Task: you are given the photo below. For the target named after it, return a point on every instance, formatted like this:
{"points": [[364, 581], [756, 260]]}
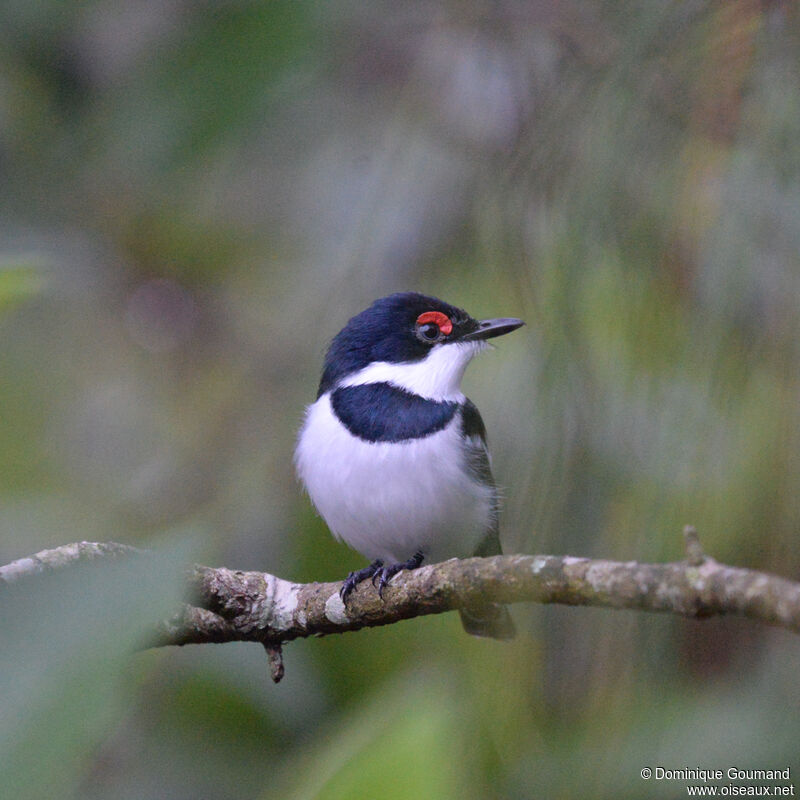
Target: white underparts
{"points": [[389, 499]]}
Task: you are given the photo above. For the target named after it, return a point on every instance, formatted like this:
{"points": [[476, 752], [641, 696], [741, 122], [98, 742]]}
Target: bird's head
{"points": [[410, 340]]}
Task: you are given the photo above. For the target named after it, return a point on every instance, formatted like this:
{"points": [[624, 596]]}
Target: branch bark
{"points": [[232, 605]]}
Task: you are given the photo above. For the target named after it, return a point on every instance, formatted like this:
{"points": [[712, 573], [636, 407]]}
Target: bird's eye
{"points": [[429, 331], [433, 325]]}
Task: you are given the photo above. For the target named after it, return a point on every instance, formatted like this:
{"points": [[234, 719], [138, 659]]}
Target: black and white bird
{"points": [[393, 455]]}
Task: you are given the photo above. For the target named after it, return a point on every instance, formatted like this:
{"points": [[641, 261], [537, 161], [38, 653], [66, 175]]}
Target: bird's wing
{"points": [[483, 619], [480, 469]]}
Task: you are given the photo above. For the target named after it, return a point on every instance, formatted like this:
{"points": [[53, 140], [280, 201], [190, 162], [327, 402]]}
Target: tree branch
{"points": [[233, 605]]}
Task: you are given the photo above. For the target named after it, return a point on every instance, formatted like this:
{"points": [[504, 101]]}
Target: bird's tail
{"points": [[490, 620]]}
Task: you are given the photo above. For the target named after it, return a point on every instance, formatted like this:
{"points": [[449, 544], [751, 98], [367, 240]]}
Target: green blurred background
{"points": [[195, 196]]}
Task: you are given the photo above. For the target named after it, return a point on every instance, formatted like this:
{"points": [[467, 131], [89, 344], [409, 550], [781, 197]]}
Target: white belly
{"points": [[390, 499]]}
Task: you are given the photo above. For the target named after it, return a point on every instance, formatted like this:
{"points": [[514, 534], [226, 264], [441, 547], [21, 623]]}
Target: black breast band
{"points": [[380, 412]]}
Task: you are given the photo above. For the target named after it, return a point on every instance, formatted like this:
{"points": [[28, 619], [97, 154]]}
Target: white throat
{"points": [[437, 377]]}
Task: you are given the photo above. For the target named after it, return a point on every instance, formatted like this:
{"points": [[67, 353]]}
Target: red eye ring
{"points": [[437, 318]]}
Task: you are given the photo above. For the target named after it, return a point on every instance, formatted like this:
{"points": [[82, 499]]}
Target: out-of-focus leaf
{"points": [[18, 282], [410, 740], [65, 641]]}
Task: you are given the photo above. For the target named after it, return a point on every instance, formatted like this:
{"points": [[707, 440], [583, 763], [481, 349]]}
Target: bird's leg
{"points": [[384, 574], [354, 578]]}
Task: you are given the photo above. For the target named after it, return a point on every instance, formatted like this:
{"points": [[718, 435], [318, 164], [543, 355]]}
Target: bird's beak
{"points": [[489, 328]]}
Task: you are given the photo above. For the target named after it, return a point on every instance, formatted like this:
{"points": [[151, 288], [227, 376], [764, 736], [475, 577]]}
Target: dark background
{"points": [[195, 196]]}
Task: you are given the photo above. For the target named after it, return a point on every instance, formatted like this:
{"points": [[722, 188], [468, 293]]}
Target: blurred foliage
{"points": [[195, 196], [18, 282], [67, 640]]}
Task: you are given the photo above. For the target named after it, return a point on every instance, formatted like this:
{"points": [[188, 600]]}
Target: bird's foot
{"points": [[354, 578], [384, 574]]}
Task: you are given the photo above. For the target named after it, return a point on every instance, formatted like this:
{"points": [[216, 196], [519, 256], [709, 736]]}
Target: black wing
{"points": [[483, 619], [480, 469]]}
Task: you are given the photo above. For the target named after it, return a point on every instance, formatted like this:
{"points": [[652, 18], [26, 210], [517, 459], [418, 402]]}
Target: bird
{"points": [[394, 456]]}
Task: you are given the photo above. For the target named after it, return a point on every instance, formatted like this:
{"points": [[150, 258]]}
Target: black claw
{"points": [[377, 573], [354, 578], [384, 574]]}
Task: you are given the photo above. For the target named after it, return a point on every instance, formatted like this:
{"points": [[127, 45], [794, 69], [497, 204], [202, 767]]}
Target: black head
{"points": [[402, 328]]}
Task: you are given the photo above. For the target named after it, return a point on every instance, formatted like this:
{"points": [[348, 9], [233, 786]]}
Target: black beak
{"points": [[489, 328]]}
